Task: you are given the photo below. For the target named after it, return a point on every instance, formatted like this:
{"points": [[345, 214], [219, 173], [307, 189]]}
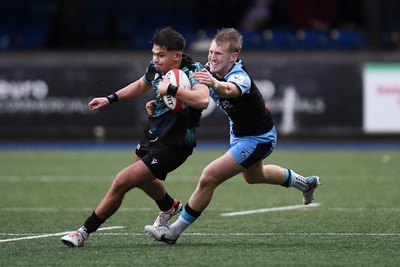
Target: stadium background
{"points": [[56, 55]]}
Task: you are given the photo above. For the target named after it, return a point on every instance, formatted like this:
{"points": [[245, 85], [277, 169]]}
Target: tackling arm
{"points": [[222, 89]]}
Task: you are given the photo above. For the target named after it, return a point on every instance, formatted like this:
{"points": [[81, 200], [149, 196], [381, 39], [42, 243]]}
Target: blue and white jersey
{"points": [[247, 113]]}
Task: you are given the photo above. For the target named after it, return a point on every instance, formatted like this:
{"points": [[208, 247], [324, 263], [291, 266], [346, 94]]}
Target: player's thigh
{"points": [[222, 168], [134, 175]]}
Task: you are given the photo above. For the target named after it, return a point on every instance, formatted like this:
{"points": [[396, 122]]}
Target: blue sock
{"points": [[187, 217], [288, 178], [184, 220]]}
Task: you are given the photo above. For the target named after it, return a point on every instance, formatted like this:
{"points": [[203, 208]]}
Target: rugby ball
{"points": [[180, 79]]}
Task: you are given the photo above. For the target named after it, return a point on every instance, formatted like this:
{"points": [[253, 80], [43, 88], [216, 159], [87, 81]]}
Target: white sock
{"points": [[179, 226], [299, 182]]}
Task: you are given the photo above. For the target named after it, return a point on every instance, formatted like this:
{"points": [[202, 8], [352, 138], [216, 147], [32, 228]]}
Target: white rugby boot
{"points": [[76, 238], [161, 233], [164, 216], [313, 182]]}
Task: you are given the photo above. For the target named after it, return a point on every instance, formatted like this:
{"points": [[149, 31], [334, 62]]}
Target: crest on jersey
{"points": [[244, 154], [237, 78]]}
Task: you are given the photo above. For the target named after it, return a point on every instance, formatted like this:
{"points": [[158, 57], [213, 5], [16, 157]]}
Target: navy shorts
{"points": [[162, 159]]}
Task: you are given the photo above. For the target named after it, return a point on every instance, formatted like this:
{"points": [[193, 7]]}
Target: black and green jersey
{"points": [[165, 126]]}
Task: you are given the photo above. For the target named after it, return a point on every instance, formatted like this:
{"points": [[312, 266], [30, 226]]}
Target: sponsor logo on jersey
{"points": [[238, 78], [244, 154]]}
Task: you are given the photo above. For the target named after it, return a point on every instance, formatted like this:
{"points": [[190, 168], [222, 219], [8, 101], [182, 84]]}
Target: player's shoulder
{"points": [[238, 68], [198, 66], [151, 73], [191, 65], [239, 76]]}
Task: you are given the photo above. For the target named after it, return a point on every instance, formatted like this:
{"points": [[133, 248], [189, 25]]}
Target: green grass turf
{"points": [[53, 191]]}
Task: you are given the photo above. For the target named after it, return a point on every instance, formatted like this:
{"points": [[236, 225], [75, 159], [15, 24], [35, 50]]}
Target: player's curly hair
{"points": [[170, 39], [230, 37]]}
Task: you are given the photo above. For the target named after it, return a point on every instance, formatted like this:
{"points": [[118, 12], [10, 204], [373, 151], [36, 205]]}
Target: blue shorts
{"points": [[248, 150]]}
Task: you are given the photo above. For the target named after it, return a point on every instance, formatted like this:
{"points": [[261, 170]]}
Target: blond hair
{"points": [[230, 37]]}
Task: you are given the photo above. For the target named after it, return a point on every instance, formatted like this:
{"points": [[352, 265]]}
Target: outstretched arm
{"points": [[137, 88]]}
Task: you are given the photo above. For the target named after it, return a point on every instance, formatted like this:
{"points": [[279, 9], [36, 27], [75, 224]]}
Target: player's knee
{"points": [[250, 180], [120, 184], [208, 180], [254, 174], [252, 177]]}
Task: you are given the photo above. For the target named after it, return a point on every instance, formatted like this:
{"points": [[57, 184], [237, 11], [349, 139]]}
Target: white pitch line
{"points": [[292, 234], [247, 212], [54, 234], [261, 234], [225, 234]]}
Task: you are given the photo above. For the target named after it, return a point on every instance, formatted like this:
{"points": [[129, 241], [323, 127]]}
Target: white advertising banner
{"points": [[381, 99]]}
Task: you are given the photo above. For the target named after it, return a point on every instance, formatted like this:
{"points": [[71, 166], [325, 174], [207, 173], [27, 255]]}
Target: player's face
{"points": [[221, 60], [166, 60]]}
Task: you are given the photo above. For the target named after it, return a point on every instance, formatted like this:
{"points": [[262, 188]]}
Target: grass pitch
{"points": [[45, 193]]}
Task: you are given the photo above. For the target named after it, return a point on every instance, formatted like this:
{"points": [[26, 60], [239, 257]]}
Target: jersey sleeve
{"points": [[192, 80], [241, 79], [195, 67], [150, 73]]}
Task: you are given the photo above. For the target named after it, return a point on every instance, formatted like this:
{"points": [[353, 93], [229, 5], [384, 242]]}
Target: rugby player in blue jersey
{"points": [[252, 136], [167, 141]]}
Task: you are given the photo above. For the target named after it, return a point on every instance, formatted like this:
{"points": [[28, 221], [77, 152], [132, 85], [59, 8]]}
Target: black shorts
{"points": [[162, 159]]}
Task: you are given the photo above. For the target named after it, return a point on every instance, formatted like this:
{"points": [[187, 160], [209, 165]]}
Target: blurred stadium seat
{"points": [[311, 39], [33, 35], [278, 39], [5, 39], [126, 24], [346, 39], [25, 25], [252, 40]]}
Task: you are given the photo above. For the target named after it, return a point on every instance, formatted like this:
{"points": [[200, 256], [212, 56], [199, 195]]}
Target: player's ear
{"points": [[178, 56], [234, 56]]}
